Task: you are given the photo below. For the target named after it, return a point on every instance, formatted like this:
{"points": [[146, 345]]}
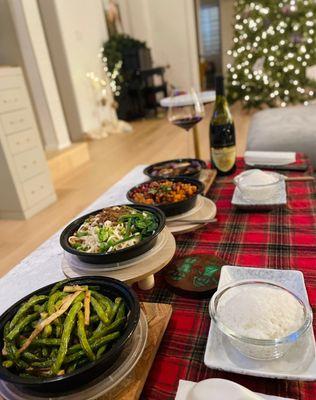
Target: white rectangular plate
{"points": [[298, 364]]}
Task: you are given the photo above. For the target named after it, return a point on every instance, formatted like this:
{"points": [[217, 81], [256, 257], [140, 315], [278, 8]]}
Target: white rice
{"points": [[260, 312], [258, 177]]}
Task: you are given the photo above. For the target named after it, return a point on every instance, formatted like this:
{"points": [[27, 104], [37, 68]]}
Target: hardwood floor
{"points": [[111, 158]]}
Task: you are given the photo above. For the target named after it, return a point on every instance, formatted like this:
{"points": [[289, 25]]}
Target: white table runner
{"points": [[43, 266]]}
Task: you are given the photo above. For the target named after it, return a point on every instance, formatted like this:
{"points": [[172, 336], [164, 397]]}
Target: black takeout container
{"points": [[195, 175], [179, 207], [89, 372], [115, 256]]}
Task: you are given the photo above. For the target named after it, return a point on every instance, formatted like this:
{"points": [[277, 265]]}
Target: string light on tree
{"points": [[274, 44], [113, 76]]}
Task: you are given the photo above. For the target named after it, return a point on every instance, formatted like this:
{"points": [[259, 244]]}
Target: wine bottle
{"points": [[222, 133]]}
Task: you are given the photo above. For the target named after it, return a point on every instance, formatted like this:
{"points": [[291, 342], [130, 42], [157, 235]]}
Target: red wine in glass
{"points": [[186, 123], [185, 110]]}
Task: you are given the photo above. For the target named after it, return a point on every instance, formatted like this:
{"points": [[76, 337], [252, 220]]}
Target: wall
{"points": [[75, 31], [9, 47], [52, 118], [168, 27], [227, 21], [22, 43]]}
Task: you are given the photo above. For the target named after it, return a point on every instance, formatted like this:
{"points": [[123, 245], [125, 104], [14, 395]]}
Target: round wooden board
{"points": [[194, 273], [207, 210], [139, 272]]}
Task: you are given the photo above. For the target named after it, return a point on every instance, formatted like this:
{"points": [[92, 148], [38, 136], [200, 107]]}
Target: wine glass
{"points": [[185, 111]]}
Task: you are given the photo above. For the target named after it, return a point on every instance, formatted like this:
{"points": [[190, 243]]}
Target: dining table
{"points": [[281, 238]]}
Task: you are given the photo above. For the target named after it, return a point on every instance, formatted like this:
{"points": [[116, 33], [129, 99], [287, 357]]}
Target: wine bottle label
{"points": [[222, 135], [224, 158]]}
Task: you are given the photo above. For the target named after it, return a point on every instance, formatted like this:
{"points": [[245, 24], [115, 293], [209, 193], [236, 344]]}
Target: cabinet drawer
{"points": [[22, 141], [29, 163], [17, 121], [37, 188], [12, 99], [10, 82]]}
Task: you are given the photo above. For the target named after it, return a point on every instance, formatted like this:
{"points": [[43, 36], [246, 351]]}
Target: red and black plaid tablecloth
{"points": [[283, 239]]}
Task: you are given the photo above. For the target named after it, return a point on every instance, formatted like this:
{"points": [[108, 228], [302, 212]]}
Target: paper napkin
{"points": [[269, 157], [185, 386]]}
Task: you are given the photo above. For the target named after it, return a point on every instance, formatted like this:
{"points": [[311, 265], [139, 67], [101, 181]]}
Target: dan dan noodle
{"points": [[113, 229]]}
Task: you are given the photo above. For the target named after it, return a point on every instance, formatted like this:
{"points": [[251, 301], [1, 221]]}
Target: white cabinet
{"points": [[25, 182]]}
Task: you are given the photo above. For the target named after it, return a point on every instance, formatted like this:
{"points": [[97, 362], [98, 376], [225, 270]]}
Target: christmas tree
{"points": [[274, 44]]}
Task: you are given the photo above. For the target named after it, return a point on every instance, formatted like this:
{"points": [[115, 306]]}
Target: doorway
{"points": [[209, 41]]}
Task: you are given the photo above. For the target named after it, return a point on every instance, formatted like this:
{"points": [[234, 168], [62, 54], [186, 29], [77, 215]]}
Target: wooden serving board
{"points": [[158, 316], [207, 177]]}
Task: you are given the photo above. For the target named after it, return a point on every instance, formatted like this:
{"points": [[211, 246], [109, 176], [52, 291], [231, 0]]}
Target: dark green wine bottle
{"points": [[222, 133]]}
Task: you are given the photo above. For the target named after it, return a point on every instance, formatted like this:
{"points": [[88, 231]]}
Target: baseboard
{"points": [[63, 162]]}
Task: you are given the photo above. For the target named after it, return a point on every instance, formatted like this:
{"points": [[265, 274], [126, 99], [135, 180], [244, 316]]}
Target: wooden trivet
{"points": [[207, 177], [158, 316], [208, 210], [142, 273]]}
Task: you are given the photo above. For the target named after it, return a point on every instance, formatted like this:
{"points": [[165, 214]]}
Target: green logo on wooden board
{"points": [[199, 272]]}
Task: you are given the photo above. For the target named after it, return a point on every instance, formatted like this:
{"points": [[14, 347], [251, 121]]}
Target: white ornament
{"points": [[311, 72], [258, 65], [105, 107]]}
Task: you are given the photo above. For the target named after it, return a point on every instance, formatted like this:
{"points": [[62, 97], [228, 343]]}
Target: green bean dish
{"points": [[57, 333]]}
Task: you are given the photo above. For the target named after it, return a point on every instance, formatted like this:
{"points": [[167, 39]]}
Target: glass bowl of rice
{"points": [[260, 319], [256, 185]]}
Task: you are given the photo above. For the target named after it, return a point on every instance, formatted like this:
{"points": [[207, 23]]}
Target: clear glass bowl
{"points": [[260, 349], [258, 192]]}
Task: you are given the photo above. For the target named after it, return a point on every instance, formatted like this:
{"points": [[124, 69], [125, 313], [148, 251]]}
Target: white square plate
{"points": [[298, 364], [278, 200]]}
